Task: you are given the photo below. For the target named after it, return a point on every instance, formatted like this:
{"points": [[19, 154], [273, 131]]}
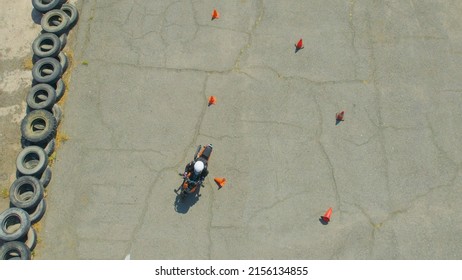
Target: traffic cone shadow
{"points": [[322, 221], [299, 46], [325, 219], [339, 117], [220, 182]]}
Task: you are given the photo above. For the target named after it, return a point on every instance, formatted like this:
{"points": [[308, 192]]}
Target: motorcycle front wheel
{"points": [[197, 151]]}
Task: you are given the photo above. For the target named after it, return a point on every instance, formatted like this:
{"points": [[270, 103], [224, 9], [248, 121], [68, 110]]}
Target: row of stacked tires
{"points": [[38, 128]]}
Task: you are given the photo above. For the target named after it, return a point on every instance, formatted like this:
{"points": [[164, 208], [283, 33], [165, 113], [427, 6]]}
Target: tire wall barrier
{"points": [[38, 131]]}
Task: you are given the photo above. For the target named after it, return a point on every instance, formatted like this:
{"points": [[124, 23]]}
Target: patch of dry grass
{"points": [[61, 137], [52, 159], [67, 75], [4, 193], [27, 63], [37, 227]]}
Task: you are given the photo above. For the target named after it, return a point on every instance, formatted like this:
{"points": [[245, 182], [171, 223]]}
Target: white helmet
{"points": [[198, 167]]}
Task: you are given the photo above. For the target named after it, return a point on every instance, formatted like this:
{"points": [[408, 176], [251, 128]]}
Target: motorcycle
{"points": [[192, 181]]}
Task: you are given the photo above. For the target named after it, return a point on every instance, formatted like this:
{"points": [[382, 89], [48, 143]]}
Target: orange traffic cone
{"points": [[220, 182], [326, 217], [215, 15], [299, 45], [212, 100]]}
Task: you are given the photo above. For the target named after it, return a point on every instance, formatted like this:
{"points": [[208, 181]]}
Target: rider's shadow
{"points": [[182, 205]]}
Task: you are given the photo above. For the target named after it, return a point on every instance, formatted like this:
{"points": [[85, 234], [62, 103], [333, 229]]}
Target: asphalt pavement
{"points": [[137, 109]]}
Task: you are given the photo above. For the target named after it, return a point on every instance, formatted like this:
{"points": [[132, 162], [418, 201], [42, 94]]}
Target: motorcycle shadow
{"points": [[182, 204]]}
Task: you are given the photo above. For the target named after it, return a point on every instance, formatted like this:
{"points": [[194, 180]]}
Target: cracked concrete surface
{"points": [[134, 115]]}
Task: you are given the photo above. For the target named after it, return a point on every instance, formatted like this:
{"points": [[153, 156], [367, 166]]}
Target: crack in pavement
{"points": [[393, 9], [87, 33], [272, 122], [107, 5], [163, 25], [326, 156], [377, 100], [144, 211], [99, 239], [196, 25], [225, 227], [130, 14], [394, 214], [305, 79], [278, 201], [351, 7], [128, 150], [368, 140], [233, 70], [374, 227], [184, 157], [452, 90], [435, 143], [109, 127], [220, 138], [237, 170], [399, 128], [199, 121], [210, 26], [179, 70], [194, 18], [273, 158], [260, 7], [424, 37]]}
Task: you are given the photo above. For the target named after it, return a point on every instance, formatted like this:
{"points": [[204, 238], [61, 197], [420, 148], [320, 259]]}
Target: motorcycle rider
{"points": [[198, 168]]}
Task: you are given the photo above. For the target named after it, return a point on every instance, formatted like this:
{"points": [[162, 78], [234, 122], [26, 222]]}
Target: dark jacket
{"points": [[190, 168]]}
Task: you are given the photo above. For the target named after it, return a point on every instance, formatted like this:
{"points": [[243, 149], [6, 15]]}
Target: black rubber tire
{"points": [[57, 113], [50, 147], [30, 239], [62, 58], [38, 127], [46, 177], [63, 40], [16, 216], [46, 45], [47, 70], [14, 250], [72, 12], [32, 161], [26, 192], [55, 21], [59, 87], [37, 213], [34, 60], [42, 7], [41, 96]]}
